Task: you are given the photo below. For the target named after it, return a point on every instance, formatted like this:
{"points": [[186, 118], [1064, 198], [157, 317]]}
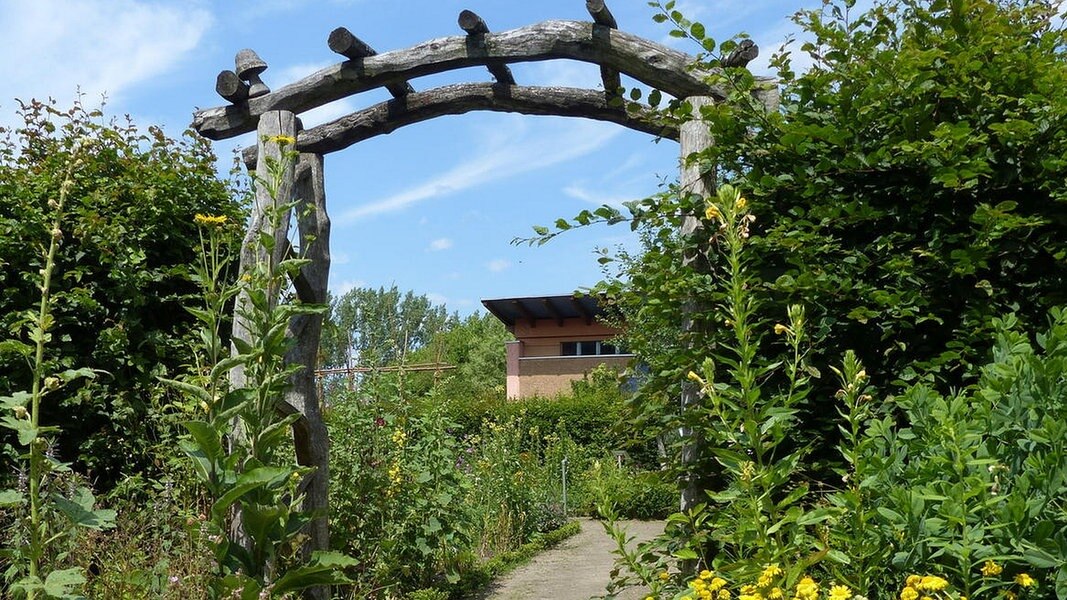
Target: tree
{"points": [[374, 328], [475, 347], [129, 239]]}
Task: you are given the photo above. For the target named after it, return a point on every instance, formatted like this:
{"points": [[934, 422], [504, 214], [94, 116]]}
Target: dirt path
{"points": [[576, 569]]}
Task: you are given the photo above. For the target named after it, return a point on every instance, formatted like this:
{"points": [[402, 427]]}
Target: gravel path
{"points": [[577, 569]]}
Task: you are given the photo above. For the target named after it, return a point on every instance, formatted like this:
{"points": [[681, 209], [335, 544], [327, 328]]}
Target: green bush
{"points": [[128, 239]]}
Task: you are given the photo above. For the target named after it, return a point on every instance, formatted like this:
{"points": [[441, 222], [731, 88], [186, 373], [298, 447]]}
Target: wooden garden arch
{"points": [[253, 107]]}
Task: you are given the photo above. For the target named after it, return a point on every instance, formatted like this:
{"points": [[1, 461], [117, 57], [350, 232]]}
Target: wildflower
{"points": [[1025, 580], [840, 592], [991, 568], [1009, 595], [712, 212], [705, 574], [932, 583], [723, 594], [779, 329], [399, 437], [209, 220], [766, 578], [741, 203], [21, 412], [807, 589], [718, 584], [282, 140], [913, 581], [775, 594], [664, 576], [692, 376], [909, 593]]}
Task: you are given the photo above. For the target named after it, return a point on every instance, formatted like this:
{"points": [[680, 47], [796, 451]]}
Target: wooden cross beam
{"points": [[389, 116], [476, 29], [344, 43], [648, 62], [605, 22]]}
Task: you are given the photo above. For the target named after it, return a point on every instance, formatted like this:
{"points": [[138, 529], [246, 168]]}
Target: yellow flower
{"points": [[741, 203], [718, 583], [932, 583], [840, 592], [991, 568], [807, 589], [399, 437], [694, 377], [1009, 595], [744, 596], [208, 220], [712, 212], [705, 574], [913, 580], [649, 598], [909, 593], [1025, 580], [775, 594], [705, 594], [282, 140], [664, 576], [724, 594], [779, 329]]}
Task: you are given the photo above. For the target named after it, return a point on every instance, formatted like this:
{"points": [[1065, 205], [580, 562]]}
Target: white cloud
{"points": [[596, 197], [507, 152], [440, 244], [498, 264], [105, 48], [340, 258], [343, 287], [436, 298]]}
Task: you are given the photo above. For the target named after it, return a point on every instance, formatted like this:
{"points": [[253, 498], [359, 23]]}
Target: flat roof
{"points": [[535, 308]]}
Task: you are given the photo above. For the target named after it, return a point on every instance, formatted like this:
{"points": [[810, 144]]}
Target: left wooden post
{"points": [[302, 181]]}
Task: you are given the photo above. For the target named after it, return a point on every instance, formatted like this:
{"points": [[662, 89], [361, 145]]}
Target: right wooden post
{"points": [[696, 178]]}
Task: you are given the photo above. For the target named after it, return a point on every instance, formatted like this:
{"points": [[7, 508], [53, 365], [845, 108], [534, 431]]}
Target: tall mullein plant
{"points": [[748, 415], [38, 533], [237, 442]]}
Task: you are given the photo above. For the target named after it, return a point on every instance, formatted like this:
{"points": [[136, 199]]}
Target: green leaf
{"points": [[58, 584], [247, 482], [79, 509], [685, 554], [11, 497], [324, 568], [207, 439]]}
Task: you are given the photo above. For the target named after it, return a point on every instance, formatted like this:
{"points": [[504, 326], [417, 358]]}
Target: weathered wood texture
{"points": [[696, 178], [229, 86], [744, 53], [644, 60], [343, 42], [606, 21], [273, 124], [309, 433], [458, 99], [476, 29]]}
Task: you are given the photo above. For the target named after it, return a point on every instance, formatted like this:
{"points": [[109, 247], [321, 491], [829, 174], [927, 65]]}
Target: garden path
{"points": [[577, 569]]}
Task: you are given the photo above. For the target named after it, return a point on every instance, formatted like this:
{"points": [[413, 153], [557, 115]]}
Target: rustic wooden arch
{"points": [[253, 107]]}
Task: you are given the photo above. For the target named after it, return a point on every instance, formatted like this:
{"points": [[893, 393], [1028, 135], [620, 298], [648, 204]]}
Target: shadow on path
{"points": [[577, 569]]}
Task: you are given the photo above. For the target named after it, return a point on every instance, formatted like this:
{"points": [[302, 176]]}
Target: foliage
{"points": [[631, 493], [120, 273], [398, 494], [237, 442], [374, 328], [40, 532], [475, 347], [956, 481]]}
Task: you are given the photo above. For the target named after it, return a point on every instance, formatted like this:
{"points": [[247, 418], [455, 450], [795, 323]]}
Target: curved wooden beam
{"points": [[389, 116], [646, 61]]}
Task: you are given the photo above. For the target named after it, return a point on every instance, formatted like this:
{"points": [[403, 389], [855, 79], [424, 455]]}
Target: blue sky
{"points": [[432, 207]]}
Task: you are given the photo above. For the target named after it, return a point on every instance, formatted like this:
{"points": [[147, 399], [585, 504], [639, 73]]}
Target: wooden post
{"points": [[272, 124], [309, 433], [696, 178]]}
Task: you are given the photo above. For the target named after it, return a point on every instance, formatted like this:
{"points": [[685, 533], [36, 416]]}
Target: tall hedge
{"points": [[128, 239]]}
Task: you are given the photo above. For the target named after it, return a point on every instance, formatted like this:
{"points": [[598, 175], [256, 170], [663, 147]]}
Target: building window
{"points": [[589, 348]]}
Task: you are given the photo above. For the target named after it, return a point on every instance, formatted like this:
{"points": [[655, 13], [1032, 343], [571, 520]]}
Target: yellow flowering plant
{"points": [[237, 435]]}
